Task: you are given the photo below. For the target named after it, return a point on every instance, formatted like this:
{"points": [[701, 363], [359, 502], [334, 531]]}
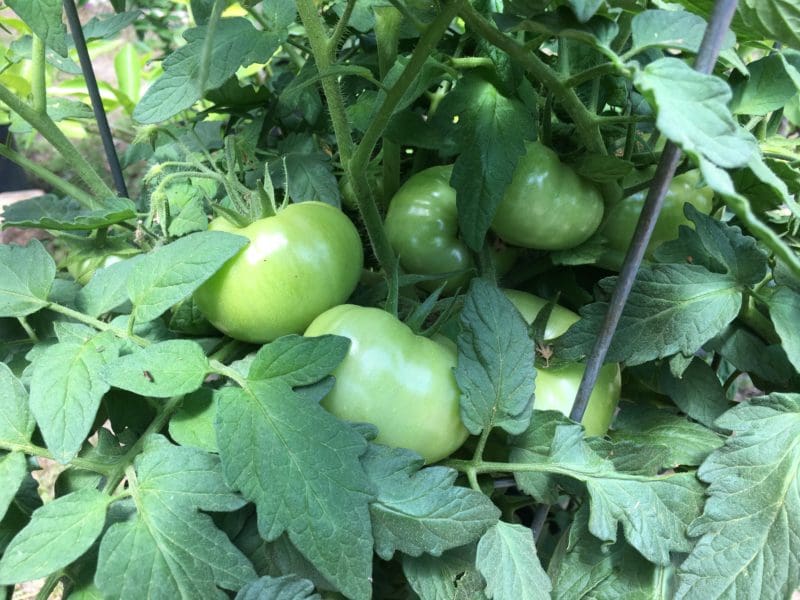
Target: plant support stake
{"points": [[94, 95], [704, 63]]}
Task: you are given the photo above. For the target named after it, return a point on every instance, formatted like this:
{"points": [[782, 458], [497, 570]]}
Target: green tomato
{"points": [[400, 382], [620, 222], [557, 385], [422, 226], [547, 206], [298, 264]]}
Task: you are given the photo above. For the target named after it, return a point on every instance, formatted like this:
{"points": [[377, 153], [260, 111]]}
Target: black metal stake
{"points": [[706, 59], [94, 95]]}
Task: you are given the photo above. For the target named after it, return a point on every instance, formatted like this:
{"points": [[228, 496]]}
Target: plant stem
{"points": [[755, 320], [341, 27], [50, 131], [38, 84], [387, 34], [208, 43], [97, 323], [34, 450]]}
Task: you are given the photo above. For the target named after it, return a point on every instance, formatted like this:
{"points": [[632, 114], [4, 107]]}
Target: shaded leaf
{"points": [[507, 560], [26, 276]]}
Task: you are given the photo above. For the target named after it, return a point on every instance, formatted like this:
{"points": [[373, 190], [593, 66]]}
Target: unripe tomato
{"points": [[422, 227], [547, 205], [299, 263], [400, 382], [557, 384]]}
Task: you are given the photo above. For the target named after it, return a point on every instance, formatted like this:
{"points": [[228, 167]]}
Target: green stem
{"points": [[471, 62], [412, 18], [28, 329], [622, 119], [568, 99], [34, 450], [49, 585], [341, 27], [465, 466], [63, 186], [97, 323], [387, 36], [38, 84], [591, 73], [50, 131], [208, 42], [755, 320]]}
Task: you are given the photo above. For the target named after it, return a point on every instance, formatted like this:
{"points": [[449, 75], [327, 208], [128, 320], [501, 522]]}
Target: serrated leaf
{"points": [[66, 388], [717, 246], [698, 392], [107, 289], [784, 308], [507, 560], [170, 549], [495, 362], [161, 370], [51, 212], [297, 360], [452, 576], [107, 26], [420, 510], [670, 29], [288, 587], [533, 445], [692, 111], [58, 533], [687, 443], [310, 177], [750, 354], [172, 272], [491, 130], [748, 531], [13, 469], [16, 421], [299, 464], [671, 308], [44, 19], [237, 43], [26, 276]]}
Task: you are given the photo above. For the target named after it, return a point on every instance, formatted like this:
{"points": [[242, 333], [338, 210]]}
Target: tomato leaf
{"points": [[492, 130], [671, 308], [698, 392], [193, 423], [495, 362], [13, 469], [161, 370], [16, 421], [170, 548], [784, 308], [288, 587], [299, 464], [692, 111], [772, 19], [64, 214], [170, 273], [768, 87], [758, 506], [44, 17], [420, 510], [66, 388], [26, 276], [451, 575], [533, 445], [59, 532], [670, 29], [107, 289], [507, 560], [297, 360]]}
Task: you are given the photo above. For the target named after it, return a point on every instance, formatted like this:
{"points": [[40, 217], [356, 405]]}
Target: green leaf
{"points": [[299, 464], [670, 29], [51, 212], [170, 273], [171, 549], [161, 370], [768, 87], [66, 388], [16, 421], [784, 308], [297, 360], [698, 392], [108, 288], [310, 177], [495, 362], [44, 19], [13, 469], [288, 587], [692, 111], [108, 26], [533, 445], [420, 510], [585, 9], [671, 308], [237, 43], [193, 423], [748, 531], [491, 130], [26, 276], [507, 560], [772, 19], [602, 168], [58, 533], [598, 32], [452, 576], [687, 443], [748, 353], [186, 208]]}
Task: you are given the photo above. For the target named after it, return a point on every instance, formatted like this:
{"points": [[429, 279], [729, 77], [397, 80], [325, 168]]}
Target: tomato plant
{"points": [[557, 383], [422, 227], [400, 382], [547, 205], [299, 263]]}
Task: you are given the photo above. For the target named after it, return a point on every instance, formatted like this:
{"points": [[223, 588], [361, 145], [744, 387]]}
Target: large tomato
{"points": [[557, 384], [400, 382], [422, 226], [299, 263], [547, 205]]}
